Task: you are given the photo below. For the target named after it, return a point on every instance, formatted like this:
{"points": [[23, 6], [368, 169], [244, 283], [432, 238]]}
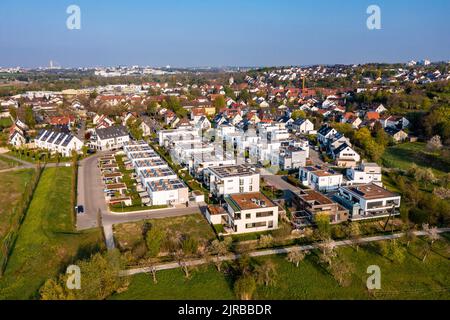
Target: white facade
{"points": [[250, 213], [231, 180], [366, 173], [320, 179], [58, 142]]}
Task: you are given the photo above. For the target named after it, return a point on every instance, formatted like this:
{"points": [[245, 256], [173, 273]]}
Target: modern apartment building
{"points": [[320, 179], [244, 213], [110, 138], [311, 202], [234, 179], [368, 201]]}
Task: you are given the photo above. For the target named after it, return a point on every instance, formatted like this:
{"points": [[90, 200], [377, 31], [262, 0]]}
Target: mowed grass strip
{"points": [[411, 279], [47, 240], [11, 188]]}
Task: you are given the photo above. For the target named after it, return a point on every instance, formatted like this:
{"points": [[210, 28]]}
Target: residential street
{"points": [[268, 252], [90, 195]]}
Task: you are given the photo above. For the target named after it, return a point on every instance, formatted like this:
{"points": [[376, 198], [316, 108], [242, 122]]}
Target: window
{"points": [[270, 225], [264, 214], [256, 225], [248, 216], [374, 204]]}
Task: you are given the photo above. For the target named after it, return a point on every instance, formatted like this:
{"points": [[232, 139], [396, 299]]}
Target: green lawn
{"points": [[412, 279], [5, 123], [403, 155], [47, 240], [11, 187], [6, 163]]}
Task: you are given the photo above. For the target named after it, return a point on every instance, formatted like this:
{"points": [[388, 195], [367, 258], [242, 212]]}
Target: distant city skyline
{"points": [[221, 33]]}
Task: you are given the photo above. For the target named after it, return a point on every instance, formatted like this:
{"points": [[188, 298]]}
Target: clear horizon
{"points": [[189, 34]]}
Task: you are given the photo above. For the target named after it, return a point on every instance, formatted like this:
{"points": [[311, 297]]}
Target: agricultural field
{"points": [[409, 279], [47, 239], [11, 189]]}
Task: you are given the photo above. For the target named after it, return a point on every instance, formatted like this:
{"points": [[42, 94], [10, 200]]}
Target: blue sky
{"points": [[221, 32]]}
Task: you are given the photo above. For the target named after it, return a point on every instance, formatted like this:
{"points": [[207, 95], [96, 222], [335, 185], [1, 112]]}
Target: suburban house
{"points": [[320, 179], [397, 122], [302, 126], [109, 138], [234, 179], [244, 213], [17, 138], [368, 201], [58, 142], [310, 203], [367, 172], [345, 156], [325, 133], [102, 121], [397, 134]]}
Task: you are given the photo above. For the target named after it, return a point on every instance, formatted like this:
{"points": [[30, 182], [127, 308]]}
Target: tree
{"points": [[327, 251], [432, 233], [434, 144], [152, 108], [219, 103], [100, 279], [266, 273], [29, 117], [220, 249], [395, 252], [322, 221], [154, 239], [342, 271], [13, 113], [354, 233], [410, 236], [244, 287], [84, 150], [296, 256], [298, 114]]}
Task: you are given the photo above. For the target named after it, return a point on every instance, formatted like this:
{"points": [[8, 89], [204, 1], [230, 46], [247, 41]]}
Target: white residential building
{"points": [[302, 126], [368, 201], [244, 213], [345, 156], [58, 142], [366, 173], [320, 179], [234, 179], [167, 192], [110, 138]]}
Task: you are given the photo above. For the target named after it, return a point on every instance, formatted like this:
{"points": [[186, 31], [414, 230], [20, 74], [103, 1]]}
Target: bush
{"points": [[418, 216], [190, 246], [139, 251], [154, 239]]}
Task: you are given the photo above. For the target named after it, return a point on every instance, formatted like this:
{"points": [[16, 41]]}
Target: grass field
{"points": [[6, 163], [412, 279], [402, 156], [11, 186], [128, 235], [47, 241]]}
